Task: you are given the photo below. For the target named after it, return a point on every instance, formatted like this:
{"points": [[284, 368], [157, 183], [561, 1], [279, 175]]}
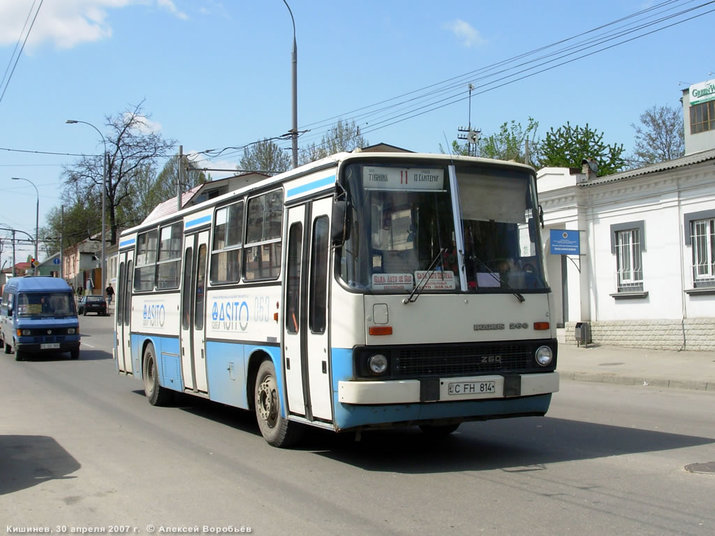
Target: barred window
{"points": [[703, 241], [263, 236], [227, 242], [629, 262]]}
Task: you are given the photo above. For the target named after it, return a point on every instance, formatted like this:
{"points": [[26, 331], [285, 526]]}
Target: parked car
{"points": [[92, 304]]}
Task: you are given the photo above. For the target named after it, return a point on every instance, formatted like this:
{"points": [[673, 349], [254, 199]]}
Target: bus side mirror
{"points": [[339, 222]]}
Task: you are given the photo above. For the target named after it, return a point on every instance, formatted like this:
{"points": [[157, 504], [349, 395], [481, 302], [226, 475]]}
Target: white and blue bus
{"points": [[360, 291]]}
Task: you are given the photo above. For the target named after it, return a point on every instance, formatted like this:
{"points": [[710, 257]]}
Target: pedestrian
{"points": [[110, 293]]}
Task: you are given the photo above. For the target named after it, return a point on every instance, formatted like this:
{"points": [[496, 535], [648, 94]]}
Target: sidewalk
{"points": [[636, 366]]}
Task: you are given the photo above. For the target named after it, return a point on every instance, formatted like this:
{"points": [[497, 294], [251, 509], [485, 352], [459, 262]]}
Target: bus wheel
{"points": [[74, 354], [275, 429], [8, 348], [155, 393], [19, 356], [438, 430]]}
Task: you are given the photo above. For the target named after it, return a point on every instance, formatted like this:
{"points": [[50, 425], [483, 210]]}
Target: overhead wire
{"points": [[16, 54], [388, 112]]}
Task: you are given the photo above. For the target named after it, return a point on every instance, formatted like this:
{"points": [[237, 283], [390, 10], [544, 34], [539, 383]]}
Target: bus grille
{"points": [[462, 360]]}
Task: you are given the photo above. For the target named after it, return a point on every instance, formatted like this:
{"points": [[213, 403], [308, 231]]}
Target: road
{"points": [[81, 449]]}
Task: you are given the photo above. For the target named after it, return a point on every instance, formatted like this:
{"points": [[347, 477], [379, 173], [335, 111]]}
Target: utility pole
{"points": [[179, 177], [468, 134]]}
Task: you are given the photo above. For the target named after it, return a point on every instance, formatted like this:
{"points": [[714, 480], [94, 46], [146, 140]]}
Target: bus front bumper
{"points": [[447, 389]]}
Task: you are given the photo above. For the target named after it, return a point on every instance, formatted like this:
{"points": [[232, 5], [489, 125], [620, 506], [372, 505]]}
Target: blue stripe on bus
{"points": [[197, 221], [126, 243], [227, 364], [350, 416], [319, 183]]}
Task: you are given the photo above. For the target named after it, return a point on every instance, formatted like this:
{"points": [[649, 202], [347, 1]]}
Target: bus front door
{"points": [[193, 313], [306, 359]]}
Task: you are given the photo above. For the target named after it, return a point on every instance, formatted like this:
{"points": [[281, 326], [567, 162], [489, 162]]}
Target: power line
{"points": [[16, 54], [448, 92]]}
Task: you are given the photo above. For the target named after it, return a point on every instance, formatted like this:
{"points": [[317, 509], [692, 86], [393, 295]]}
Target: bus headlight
{"points": [[544, 356], [71, 331], [23, 332], [377, 364]]}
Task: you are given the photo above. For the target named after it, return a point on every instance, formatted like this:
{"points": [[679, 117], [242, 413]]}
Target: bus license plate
{"points": [[472, 388], [50, 346]]}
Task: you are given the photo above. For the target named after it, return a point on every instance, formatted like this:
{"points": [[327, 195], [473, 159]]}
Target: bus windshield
{"points": [[55, 304], [402, 231]]}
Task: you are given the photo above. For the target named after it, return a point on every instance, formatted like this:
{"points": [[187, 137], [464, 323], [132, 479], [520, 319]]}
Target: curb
{"points": [[692, 385]]}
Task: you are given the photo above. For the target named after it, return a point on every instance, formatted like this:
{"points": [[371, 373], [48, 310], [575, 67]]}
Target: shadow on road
{"points": [[521, 444], [515, 445], [26, 461]]}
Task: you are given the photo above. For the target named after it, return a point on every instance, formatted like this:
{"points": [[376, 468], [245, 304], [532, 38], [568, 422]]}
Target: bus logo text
{"points": [[229, 315], [154, 315]]}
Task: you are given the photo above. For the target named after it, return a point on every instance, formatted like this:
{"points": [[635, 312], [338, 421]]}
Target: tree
{"points": [[344, 136], [265, 156], [568, 146], [660, 136], [133, 148], [512, 142]]}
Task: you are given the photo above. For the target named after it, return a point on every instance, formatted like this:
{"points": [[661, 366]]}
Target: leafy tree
{"points": [[79, 221], [265, 156], [511, 142], [659, 136], [132, 149], [569, 145], [344, 136]]}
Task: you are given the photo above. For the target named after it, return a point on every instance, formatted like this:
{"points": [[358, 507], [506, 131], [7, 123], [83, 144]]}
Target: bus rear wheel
{"points": [[275, 429], [155, 393]]}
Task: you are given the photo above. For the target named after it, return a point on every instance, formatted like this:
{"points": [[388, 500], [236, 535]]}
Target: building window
{"points": [[627, 243], [702, 117], [703, 242]]}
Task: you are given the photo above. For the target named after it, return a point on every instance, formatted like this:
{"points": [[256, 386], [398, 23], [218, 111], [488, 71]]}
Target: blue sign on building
{"points": [[564, 242]]}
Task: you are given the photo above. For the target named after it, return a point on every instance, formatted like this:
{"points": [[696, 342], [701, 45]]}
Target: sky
{"points": [[215, 74]]}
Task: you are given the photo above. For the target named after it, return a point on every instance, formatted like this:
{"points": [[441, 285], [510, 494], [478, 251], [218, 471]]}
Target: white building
{"points": [[645, 275]]}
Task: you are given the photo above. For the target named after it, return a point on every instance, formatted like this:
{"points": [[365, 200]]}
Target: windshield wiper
{"points": [[423, 283]]}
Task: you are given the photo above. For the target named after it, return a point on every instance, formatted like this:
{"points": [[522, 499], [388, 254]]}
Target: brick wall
{"points": [[687, 334]]}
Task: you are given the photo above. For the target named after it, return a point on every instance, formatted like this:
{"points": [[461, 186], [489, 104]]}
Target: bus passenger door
{"points": [[123, 312], [306, 355], [193, 312], [292, 362]]}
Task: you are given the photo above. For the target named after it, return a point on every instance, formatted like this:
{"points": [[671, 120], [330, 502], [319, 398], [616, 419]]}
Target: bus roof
{"points": [[325, 163]]}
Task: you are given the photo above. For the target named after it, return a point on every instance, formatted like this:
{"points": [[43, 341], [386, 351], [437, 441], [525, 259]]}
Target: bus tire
{"points": [[155, 393], [275, 429], [8, 348], [437, 431], [74, 354], [19, 355]]}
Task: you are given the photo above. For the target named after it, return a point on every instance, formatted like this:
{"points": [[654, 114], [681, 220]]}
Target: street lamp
{"points": [[104, 193], [294, 58], [37, 218]]}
